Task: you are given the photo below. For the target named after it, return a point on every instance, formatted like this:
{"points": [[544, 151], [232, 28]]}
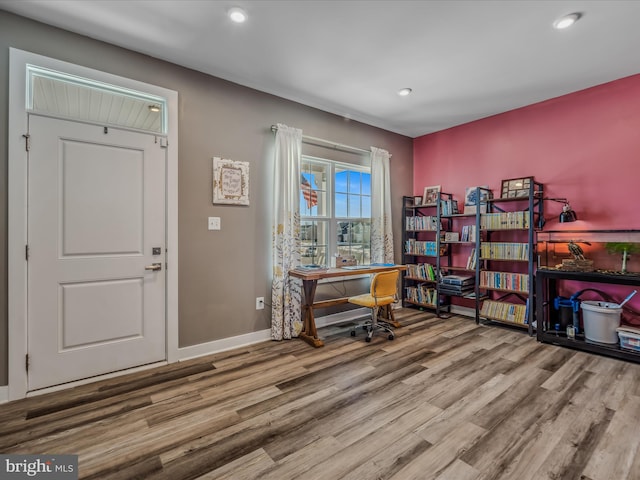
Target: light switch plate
{"points": [[214, 223]]}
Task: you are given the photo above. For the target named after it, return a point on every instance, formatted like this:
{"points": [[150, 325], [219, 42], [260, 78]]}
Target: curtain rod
{"points": [[274, 128]]}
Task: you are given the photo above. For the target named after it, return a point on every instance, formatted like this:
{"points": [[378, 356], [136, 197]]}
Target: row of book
{"points": [[448, 207], [504, 221], [422, 294], [425, 222], [424, 271], [468, 233], [507, 281], [472, 260], [418, 247], [509, 312], [504, 251]]}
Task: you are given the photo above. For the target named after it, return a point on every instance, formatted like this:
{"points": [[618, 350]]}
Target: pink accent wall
{"points": [[584, 146]]}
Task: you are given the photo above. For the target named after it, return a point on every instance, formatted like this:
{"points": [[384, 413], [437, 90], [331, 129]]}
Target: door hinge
{"points": [[27, 142], [26, 362], [26, 252], [164, 143]]}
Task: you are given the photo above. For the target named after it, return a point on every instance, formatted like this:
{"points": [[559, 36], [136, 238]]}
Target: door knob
{"points": [[154, 266]]}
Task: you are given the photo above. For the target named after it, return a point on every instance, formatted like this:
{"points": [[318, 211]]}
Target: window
{"points": [[335, 211]]}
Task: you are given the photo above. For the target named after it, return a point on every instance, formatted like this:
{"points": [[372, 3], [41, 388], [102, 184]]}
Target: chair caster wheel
{"points": [[391, 337], [368, 339], [353, 333]]}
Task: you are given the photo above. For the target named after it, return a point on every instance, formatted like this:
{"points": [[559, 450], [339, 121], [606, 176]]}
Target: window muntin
{"points": [[335, 209]]}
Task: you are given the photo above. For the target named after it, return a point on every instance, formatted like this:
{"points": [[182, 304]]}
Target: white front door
{"points": [[96, 251]]}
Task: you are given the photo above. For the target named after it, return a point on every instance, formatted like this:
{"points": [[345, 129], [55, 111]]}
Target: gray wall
{"points": [[222, 272]]}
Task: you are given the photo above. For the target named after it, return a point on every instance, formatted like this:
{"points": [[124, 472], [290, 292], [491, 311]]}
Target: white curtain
{"points": [[381, 225], [286, 291]]}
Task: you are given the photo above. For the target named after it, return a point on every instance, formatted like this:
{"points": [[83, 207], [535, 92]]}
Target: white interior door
{"points": [[96, 225]]}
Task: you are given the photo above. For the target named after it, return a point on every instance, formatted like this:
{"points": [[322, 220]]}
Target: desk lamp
{"points": [[567, 215]]}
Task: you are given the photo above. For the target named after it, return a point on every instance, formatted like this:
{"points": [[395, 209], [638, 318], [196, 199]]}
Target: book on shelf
{"points": [[460, 280], [455, 290], [448, 207], [421, 222], [504, 251], [458, 285], [422, 294], [419, 247], [472, 260], [468, 233], [424, 271], [518, 282], [505, 221], [509, 312]]}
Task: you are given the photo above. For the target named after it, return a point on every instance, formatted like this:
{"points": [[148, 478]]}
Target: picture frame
{"points": [[431, 195], [417, 201], [230, 182], [471, 202], [516, 187]]}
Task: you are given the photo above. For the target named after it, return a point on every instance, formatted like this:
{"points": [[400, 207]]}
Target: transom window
{"points": [[335, 211]]}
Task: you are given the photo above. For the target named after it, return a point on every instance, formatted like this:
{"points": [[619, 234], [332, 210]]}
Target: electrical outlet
{"points": [[259, 303]]}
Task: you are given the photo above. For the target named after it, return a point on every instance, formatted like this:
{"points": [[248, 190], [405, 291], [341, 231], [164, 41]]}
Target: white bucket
{"points": [[600, 321]]}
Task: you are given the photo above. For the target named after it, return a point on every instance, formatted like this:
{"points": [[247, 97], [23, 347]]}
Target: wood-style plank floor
{"points": [[447, 399]]}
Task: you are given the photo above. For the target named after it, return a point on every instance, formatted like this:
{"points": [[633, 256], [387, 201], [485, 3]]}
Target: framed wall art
{"points": [[431, 195], [230, 182], [471, 200], [516, 187]]}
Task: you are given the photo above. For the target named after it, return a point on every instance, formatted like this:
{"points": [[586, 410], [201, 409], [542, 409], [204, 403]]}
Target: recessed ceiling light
{"points": [[237, 15], [566, 21], [404, 92]]}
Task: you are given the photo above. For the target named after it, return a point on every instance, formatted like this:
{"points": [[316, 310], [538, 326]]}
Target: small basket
{"points": [[629, 338]]}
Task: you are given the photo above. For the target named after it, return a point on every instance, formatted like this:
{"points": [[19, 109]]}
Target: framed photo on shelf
{"points": [[471, 202], [417, 201], [516, 187], [431, 195]]}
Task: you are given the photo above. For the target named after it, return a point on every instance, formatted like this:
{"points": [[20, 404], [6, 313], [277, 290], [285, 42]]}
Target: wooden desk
{"points": [[309, 283]]}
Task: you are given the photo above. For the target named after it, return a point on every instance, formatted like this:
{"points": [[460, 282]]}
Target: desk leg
{"points": [[386, 315], [309, 332]]}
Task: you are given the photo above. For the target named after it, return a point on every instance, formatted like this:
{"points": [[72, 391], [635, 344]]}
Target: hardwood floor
{"points": [[446, 400]]}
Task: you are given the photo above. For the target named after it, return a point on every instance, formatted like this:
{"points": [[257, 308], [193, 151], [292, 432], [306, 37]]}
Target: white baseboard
{"points": [[341, 317], [4, 394], [216, 346]]}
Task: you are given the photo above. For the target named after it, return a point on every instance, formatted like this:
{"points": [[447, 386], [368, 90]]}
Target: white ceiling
{"points": [[464, 60]]}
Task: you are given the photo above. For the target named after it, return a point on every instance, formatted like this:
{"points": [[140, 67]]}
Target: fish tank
{"points": [[602, 251]]}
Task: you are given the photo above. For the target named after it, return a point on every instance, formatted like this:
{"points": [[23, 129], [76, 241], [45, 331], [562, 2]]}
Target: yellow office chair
{"points": [[382, 294]]}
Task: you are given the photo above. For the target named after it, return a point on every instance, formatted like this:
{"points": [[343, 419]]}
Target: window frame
{"points": [[330, 218]]}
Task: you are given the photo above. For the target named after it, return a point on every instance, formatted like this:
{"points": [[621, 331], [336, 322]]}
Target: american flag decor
{"points": [[309, 194]]}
